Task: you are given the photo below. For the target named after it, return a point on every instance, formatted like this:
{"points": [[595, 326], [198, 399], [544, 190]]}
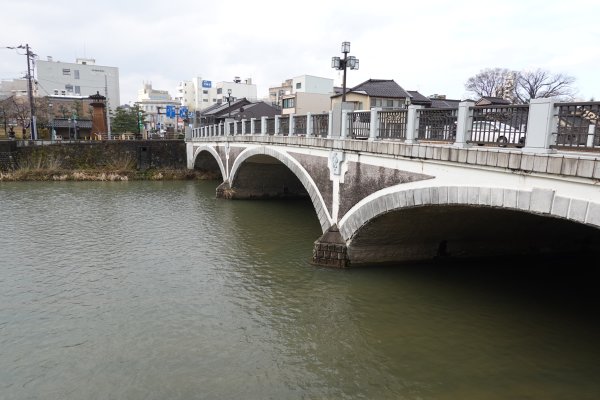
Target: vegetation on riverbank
{"points": [[97, 162], [24, 174]]}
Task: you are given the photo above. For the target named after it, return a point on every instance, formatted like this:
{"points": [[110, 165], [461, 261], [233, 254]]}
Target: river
{"points": [[158, 290]]}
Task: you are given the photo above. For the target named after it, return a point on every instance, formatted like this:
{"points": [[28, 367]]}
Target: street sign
{"points": [[170, 112], [206, 84], [183, 112]]}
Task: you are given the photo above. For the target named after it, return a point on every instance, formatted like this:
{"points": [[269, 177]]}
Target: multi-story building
{"points": [[307, 94], [154, 103], [199, 94], [81, 78], [14, 87], [276, 93]]}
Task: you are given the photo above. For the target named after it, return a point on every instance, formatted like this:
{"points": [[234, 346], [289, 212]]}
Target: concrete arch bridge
{"points": [[390, 202], [384, 201]]}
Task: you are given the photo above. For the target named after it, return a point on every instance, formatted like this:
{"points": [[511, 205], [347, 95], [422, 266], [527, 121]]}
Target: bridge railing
{"points": [[502, 125], [392, 124], [542, 125], [359, 124], [300, 124], [270, 126], [437, 124], [320, 125], [578, 126]]}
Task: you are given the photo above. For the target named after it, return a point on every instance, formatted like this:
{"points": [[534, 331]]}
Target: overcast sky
{"points": [[430, 46]]}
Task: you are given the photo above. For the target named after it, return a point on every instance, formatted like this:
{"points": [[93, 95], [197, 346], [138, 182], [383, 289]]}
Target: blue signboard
{"points": [[206, 84], [170, 112], [183, 112]]}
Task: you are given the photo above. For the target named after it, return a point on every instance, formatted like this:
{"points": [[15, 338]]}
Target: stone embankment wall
{"points": [[140, 155]]}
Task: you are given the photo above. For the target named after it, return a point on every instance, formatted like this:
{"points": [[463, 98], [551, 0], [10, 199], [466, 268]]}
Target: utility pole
{"points": [[29, 54], [30, 93]]}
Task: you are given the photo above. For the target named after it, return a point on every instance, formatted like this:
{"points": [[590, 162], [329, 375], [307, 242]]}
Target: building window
{"points": [[377, 102], [66, 71], [299, 85], [390, 103], [288, 103], [69, 87], [56, 92], [205, 100], [77, 89], [205, 92], [76, 73], [220, 91]]}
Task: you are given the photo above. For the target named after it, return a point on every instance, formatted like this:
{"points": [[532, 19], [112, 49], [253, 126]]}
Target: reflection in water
{"points": [[159, 290]]}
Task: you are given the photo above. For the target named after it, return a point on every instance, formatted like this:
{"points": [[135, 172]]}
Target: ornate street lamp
{"points": [[341, 64]]}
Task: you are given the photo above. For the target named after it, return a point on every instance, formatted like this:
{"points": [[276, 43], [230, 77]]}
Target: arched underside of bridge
{"points": [[261, 176], [466, 231], [208, 161], [264, 173]]}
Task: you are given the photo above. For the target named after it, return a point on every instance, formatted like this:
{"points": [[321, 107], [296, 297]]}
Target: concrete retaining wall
{"points": [[142, 154]]}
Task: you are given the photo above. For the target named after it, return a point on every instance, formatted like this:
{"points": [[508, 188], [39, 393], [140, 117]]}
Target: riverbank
{"points": [[133, 160], [160, 174]]}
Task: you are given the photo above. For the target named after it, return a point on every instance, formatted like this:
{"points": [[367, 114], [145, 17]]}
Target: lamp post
{"points": [[341, 64], [228, 103]]}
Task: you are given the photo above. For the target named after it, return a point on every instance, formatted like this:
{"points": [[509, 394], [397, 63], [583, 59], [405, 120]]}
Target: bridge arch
{"points": [[296, 168], [407, 224], [216, 156]]}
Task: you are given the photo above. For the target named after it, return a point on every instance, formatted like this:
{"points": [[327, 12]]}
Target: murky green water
{"points": [[146, 290]]}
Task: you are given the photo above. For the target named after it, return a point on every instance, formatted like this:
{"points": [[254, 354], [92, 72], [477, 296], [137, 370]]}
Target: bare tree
{"points": [[21, 113], [542, 84], [6, 112], [490, 82]]}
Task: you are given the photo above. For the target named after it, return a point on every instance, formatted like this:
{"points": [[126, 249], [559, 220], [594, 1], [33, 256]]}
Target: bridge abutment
{"points": [[330, 250]]}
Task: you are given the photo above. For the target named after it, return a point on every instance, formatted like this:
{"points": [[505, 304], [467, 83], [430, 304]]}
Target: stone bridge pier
{"points": [[383, 202]]}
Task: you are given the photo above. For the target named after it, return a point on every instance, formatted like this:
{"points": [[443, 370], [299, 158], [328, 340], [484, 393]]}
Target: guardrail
{"points": [[572, 126], [578, 126], [500, 125], [437, 124]]}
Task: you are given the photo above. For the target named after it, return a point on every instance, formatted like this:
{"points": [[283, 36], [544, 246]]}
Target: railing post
{"points": [[540, 123], [330, 125], [291, 128], [309, 125], [344, 130], [412, 124], [235, 132], [226, 133], [463, 123], [263, 125], [374, 124], [277, 125], [591, 136], [252, 126]]}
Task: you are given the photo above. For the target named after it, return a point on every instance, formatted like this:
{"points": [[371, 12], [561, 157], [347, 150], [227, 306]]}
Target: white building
{"points": [[308, 94], [15, 87], [81, 78], [154, 104], [199, 93]]}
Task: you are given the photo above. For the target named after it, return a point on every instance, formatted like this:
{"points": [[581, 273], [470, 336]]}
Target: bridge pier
{"points": [[224, 191], [330, 250]]}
